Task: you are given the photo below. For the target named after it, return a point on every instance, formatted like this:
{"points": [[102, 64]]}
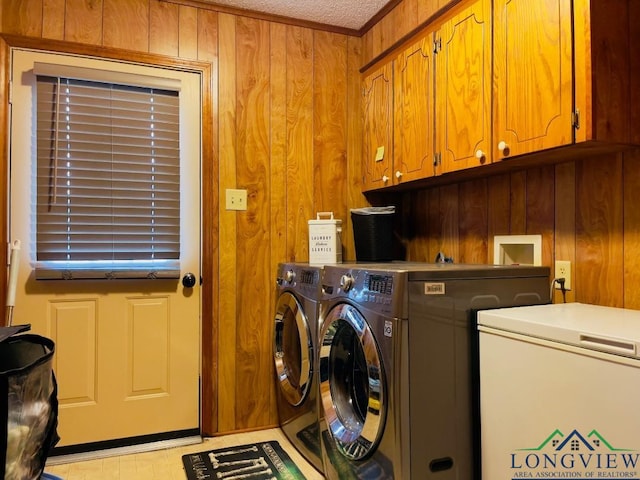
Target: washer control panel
{"points": [[289, 276], [346, 282], [300, 278], [375, 289], [379, 283]]}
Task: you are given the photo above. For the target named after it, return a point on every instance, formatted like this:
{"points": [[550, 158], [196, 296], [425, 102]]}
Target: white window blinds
{"points": [[108, 180]]}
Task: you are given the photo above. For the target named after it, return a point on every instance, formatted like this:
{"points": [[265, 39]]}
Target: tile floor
{"points": [[166, 464]]}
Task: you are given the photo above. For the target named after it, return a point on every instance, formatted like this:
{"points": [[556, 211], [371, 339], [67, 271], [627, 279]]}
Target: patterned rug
{"points": [[258, 461]]}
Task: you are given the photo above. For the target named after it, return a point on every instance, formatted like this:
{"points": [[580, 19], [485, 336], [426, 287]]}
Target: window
{"points": [[108, 175]]}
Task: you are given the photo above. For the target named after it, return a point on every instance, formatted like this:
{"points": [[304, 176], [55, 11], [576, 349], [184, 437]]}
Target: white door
{"points": [[127, 351]]}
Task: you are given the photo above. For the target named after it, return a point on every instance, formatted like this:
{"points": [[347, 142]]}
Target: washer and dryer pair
{"points": [[377, 363]]}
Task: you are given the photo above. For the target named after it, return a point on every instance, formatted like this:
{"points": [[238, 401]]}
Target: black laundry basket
{"points": [[373, 233], [28, 403]]}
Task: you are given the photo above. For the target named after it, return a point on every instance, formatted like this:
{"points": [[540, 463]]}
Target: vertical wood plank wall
{"points": [[584, 210], [287, 130]]}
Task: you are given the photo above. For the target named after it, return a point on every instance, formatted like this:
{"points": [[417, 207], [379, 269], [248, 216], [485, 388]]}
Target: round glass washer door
{"points": [[292, 349], [352, 388]]}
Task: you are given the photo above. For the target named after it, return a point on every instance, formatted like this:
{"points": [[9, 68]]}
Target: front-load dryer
{"points": [[398, 365], [295, 356]]}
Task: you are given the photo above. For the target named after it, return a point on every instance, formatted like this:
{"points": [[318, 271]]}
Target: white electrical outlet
{"points": [[563, 270], [236, 199]]}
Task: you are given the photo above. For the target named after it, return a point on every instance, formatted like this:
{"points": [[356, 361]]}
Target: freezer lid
{"points": [[609, 329]]}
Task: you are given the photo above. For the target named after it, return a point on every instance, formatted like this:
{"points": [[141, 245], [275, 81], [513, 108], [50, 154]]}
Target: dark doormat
{"points": [[257, 461]]}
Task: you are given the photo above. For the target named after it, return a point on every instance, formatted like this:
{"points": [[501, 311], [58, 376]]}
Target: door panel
{"points": [[127, 351], [74, 323], [377, 153], [413, 112], [532, 76], [463, 88]]}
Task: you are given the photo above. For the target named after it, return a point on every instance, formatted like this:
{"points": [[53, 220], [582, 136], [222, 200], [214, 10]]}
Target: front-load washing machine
{"points": [[295, 356], [398, 365]]}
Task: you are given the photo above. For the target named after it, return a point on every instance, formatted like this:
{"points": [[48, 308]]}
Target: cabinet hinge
{"points": [[437, 45], [575, 119], [437, 158]]}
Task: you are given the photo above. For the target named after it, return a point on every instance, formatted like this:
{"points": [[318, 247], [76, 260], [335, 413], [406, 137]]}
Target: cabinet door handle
{"points": [[503, 147], [398, 174], [385, 179], [479, 154]]}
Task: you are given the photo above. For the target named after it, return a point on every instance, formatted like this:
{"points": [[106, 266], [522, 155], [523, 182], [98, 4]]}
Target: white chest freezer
{"points": [[560, 392]]}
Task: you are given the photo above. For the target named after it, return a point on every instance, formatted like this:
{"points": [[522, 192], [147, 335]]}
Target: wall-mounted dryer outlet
{"points": [[517, 250]]}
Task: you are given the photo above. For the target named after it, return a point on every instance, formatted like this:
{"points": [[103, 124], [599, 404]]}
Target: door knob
{"points": [[189, 280]]}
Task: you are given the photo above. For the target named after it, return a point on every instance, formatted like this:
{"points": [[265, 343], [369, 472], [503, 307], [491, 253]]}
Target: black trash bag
{"points": [[28, 404]]}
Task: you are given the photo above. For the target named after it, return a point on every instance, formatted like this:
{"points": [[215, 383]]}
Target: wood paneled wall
{"points": [[584, 210], [285, 107], [286, 127]]}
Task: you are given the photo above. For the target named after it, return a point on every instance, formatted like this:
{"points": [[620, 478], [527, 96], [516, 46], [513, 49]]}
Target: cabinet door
{"points": [[532, 76], [463, 88], [413, 112], [377, 148]]}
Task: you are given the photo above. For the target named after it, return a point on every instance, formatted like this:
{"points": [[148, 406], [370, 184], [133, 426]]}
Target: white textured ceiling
{"points": [[351, 14]]}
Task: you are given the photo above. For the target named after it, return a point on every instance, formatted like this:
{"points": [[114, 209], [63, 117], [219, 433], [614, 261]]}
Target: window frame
{"points": [[108, 174]]}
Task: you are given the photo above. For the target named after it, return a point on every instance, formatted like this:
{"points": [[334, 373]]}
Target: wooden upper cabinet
{"points": [[377, 135], [505, 78], [607, 71], [463, 89], [532, 72], [565, 76], [413, 110]]}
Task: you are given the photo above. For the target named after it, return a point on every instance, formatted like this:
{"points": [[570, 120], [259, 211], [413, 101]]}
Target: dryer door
{"points": [[293, 349], [352, 387]]}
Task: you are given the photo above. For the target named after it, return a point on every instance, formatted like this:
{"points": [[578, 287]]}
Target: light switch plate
{"points": [[236, 199]]}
